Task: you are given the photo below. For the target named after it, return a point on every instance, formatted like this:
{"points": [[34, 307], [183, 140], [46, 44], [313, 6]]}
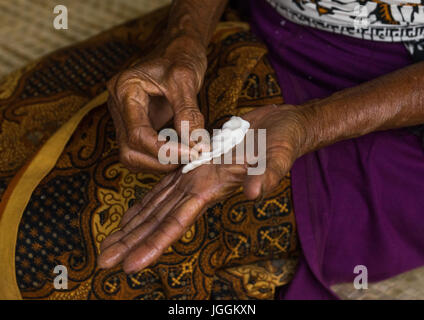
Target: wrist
{"points": [[183, 46], [295, 126], [307, 128], [311, 126]]}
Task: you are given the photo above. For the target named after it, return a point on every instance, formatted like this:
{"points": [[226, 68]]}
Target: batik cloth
{"points": [[63, 189]]}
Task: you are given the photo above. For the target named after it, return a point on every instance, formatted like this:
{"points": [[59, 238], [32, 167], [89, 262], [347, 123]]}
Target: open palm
{"points": [[174, 204]]}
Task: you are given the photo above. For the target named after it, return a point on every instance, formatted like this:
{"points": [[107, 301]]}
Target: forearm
{"points": [[195, 18], [393, 101], [190, 27]]}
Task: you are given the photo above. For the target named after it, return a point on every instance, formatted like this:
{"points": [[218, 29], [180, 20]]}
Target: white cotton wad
{"points": [[232, 133]]}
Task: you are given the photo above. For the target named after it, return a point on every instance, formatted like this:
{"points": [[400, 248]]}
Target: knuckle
{"points": [[191, 113], [118, 85], [157, 145], [173, 220], [198, 119], [152, 220], [118, 81], [156, 247], [127, 242], [126, 159], [134, 138], [186, 76]]}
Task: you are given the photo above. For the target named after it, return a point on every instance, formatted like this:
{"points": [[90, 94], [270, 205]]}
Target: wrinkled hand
{"points": [[174, 204], [145, 97]]}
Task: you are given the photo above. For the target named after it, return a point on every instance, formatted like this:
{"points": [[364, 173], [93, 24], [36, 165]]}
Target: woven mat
{"points": [[406, 286], [27, 33]]}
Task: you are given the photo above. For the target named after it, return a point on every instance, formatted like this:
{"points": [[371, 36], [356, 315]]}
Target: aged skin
{"points": [[149, 227], [164, 86], [393, 101]]}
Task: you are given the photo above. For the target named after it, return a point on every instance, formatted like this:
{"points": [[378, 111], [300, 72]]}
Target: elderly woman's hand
{"points": [[173, 205], [148, 95]]}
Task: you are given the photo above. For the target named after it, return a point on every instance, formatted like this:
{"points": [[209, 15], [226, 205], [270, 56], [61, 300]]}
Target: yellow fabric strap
{"points": [[19, 193]]}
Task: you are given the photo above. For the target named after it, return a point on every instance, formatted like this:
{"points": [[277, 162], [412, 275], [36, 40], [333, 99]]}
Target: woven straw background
{"points": [[27, 33], [26, 26]]}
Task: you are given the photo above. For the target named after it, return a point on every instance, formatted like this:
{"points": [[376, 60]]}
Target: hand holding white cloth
{"points": [[232, 133]]}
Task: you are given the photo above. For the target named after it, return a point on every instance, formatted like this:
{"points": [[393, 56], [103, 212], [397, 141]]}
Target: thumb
{"points": [[257, 186]]}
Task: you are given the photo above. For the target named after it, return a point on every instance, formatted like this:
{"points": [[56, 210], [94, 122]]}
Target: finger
{"points": [[117, 251], [137, 161], [160, 186], [133, 159], [170, 229], [186, 109], [140, 133], [138, 213], [135, 114], [141, 215], [109, 240]]}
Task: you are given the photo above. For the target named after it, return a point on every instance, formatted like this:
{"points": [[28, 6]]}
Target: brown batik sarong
{"points": [[63, 189]]}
